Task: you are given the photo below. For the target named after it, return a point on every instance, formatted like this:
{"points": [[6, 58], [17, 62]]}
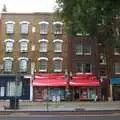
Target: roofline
{"points": [[31, 13]]}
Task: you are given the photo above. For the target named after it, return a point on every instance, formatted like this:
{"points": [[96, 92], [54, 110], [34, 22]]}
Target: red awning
{"points": [[86, 81]]}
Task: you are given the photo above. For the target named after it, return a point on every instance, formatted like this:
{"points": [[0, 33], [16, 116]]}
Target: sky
{"points": [[28, 6]]}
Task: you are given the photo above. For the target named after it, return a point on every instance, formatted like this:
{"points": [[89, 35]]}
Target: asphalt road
{"points": [[62, 118]]}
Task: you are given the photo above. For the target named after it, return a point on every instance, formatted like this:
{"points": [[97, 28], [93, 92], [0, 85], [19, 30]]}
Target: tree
{"points": [[99, 18]]}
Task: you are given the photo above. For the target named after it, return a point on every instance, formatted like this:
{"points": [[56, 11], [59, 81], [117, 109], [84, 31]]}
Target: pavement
{"points": [[64, 106]]}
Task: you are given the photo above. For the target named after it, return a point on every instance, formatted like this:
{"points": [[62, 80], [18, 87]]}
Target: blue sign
{"points": [[115, 81]]}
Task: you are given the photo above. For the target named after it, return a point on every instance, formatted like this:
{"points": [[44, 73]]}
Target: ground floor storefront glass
{"points": [[48, 93], [84, 93]]}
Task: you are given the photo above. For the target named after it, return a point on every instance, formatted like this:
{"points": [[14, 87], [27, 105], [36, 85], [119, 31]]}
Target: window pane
{"points": [[24, 28], [11, 88], [43, 65], [58, 47], [87, 49], [117, 50], [23, 65], [58, 65], [117, 67], [43, 28], [8, 65], [79, 68], [43, 46], [9, 46], [9, 28], [87, 68], [23, 46], [78, 49], [57, 29]]}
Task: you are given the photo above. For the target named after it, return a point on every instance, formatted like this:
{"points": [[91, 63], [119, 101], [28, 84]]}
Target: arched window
{"points": [[43, 64], [43, 27], [23, 64], [23, 45], [8, 63], [43, 45], [10, 27], [58, 45], [57, 64], [57, 27], [24, 27], [9, 45]]}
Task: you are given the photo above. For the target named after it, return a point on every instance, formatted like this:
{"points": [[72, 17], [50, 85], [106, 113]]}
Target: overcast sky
{"points": [[28, 5]]}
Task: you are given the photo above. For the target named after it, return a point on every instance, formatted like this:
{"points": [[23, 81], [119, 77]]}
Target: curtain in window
{"points": [[23, 65], [24, 28], [43, 28], [43, 46], [23, 46], [58, 47], [9, 28], [87, 49], [8, 65], [9, 46]]}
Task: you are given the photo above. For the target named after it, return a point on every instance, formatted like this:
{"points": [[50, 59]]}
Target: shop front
{"points": [[84, 88], [115, 82], [14, 85], [49, 87]]}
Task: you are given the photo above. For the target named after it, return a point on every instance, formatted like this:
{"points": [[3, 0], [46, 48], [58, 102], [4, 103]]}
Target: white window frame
{"points": [[9, 48], [45, 31], [56, 42], [12, 29], [46, 60], [11, 66], [27, 29], [26, 67], [45, 47], [23, 48], [61, 62], [59, 23]]}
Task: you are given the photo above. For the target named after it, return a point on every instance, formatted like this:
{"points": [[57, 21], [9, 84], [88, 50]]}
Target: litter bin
{"points": [[14, 103]]}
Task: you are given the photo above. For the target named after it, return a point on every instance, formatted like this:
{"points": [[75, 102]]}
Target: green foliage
{"points": [[87, 15]]}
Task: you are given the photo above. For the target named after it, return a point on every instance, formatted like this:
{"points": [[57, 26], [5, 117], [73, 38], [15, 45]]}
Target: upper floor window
{"points": [[23, 64], [102, 58], [9, 45], [43, 64], [87, 49], [58, 45], [43, 45], [57, 27], [117, 68], [57, 64], [117, 51], [8, 63], [10, 27], [24, 27], [81, 49], [23, 45], [43, 27], [84, 68], [78, 49]]}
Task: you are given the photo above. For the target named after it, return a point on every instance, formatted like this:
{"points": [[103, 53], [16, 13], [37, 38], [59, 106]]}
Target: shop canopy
{"points": [[49, 80], [84, 81]]}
